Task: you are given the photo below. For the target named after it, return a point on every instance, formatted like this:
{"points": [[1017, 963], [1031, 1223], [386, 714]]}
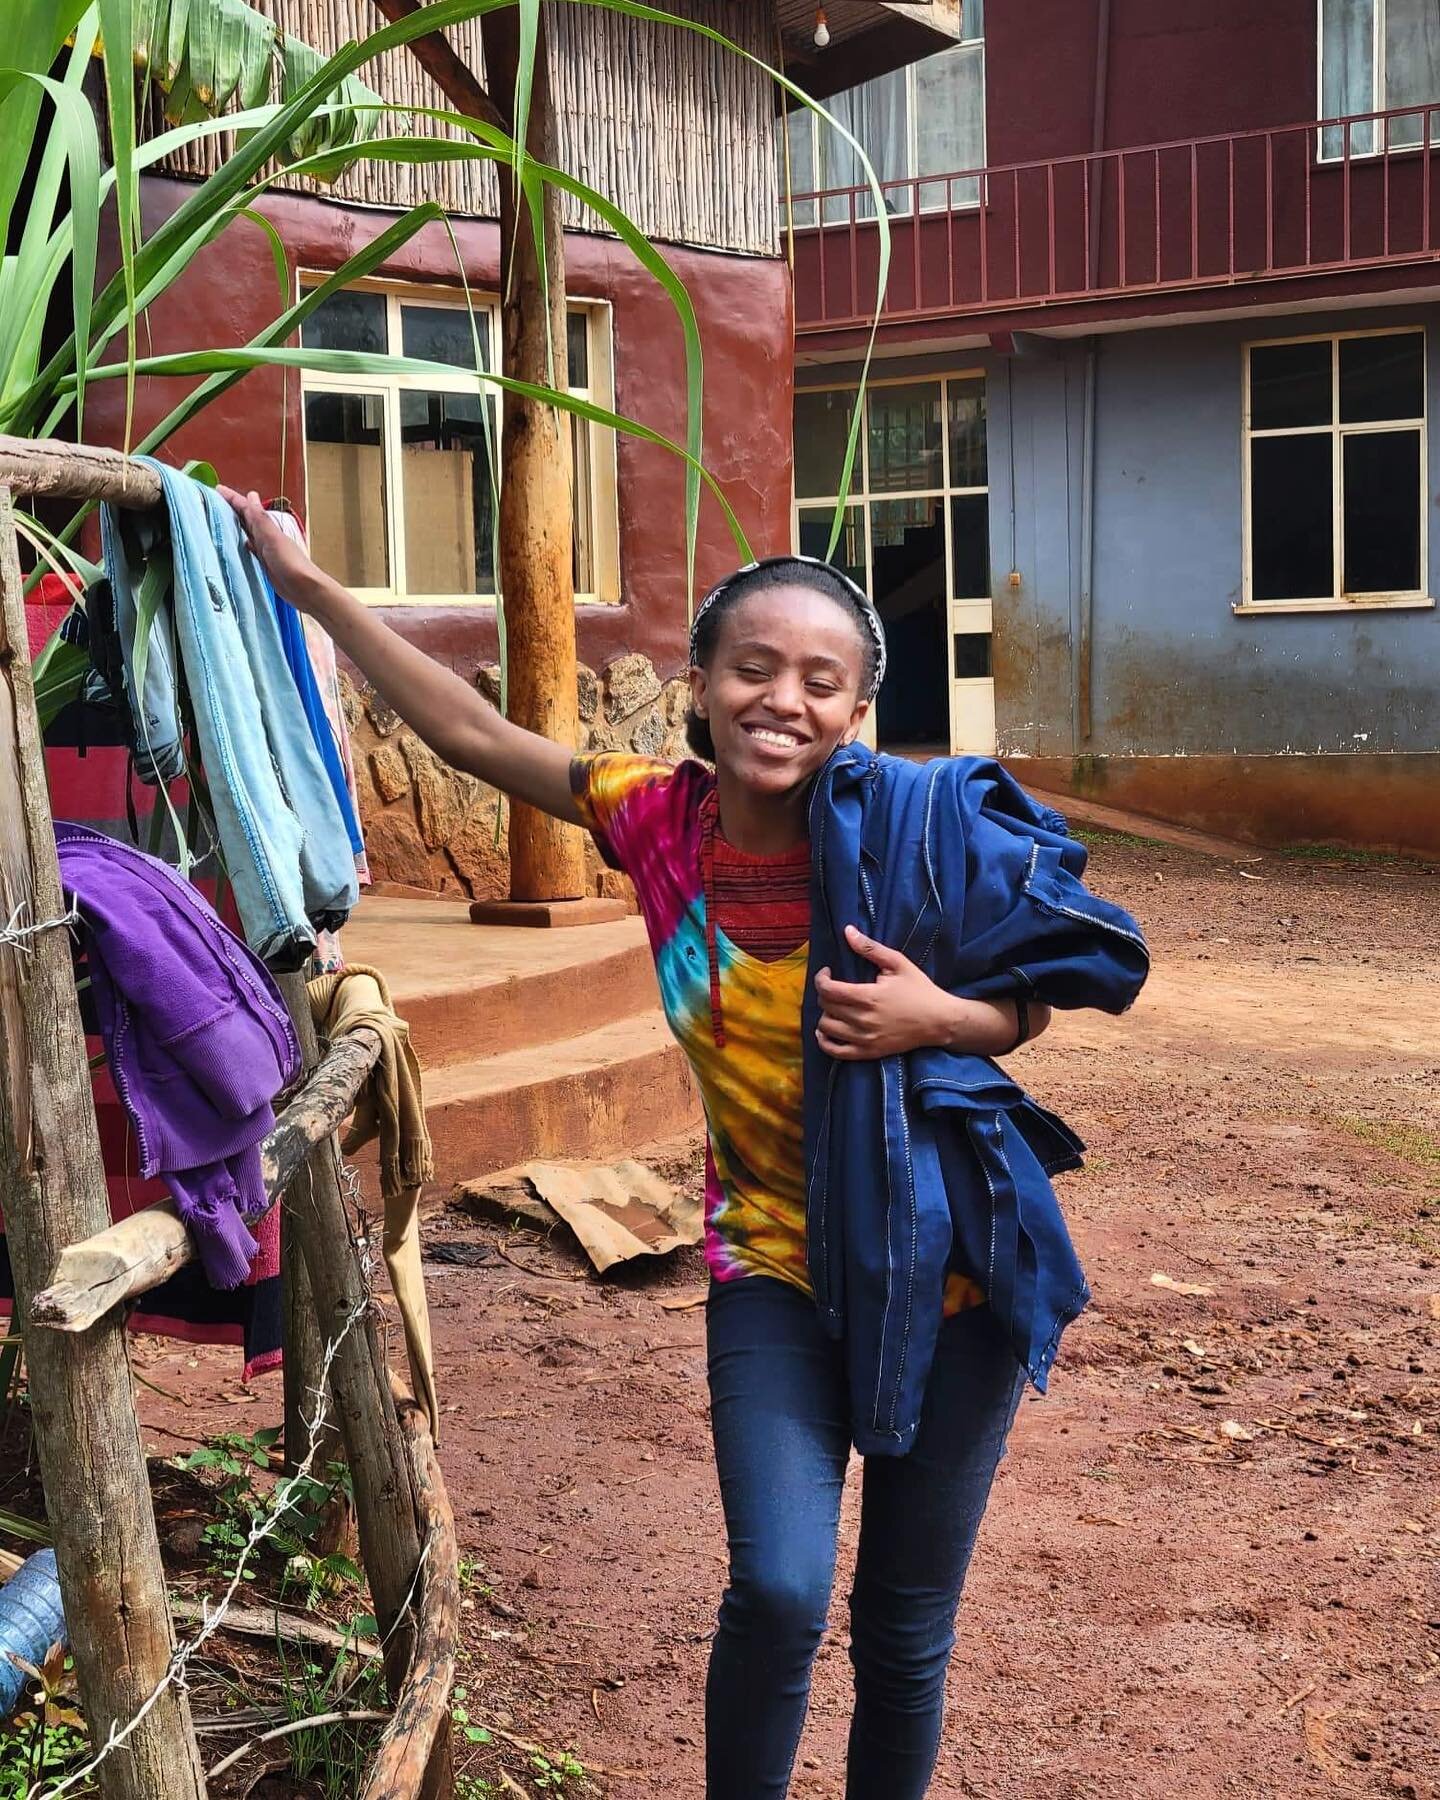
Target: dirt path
{"points": [[1210, 1567]]}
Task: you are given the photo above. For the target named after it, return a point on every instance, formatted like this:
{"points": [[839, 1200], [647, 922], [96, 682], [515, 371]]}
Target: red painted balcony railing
{"points": [[1253, 206]]}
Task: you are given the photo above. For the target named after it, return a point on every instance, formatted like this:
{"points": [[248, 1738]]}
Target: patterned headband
{"points": [[855, 591]]}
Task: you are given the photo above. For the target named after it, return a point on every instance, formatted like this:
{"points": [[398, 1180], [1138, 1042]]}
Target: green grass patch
{"points": [[1339, 853], [1411, 1143], [1096, 837]]}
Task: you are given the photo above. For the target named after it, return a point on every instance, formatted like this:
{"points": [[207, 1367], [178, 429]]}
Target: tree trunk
{"points": [[547, 859], [52, 1186]]}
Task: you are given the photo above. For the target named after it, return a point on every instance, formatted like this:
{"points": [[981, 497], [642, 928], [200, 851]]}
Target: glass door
{"points": [[916, 536]]}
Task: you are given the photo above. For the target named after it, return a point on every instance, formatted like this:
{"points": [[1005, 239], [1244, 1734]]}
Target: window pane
{"points": [[1292, 518], [349, 320], [345, 475], [582, 560], [968, 464], [1382, 377], [577, 346], [448, 504], [1382, 512], [1290, 385], [798, 125], [972, 655], [904, 433], [442, 334], [950, 123], [877, 114], [1347, 75], [1412, 66], [970, 545], [815, 523], [822, 425]]}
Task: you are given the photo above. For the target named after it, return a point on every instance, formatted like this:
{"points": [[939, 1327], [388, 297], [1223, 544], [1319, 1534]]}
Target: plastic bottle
{"points": [[31, 1620]]}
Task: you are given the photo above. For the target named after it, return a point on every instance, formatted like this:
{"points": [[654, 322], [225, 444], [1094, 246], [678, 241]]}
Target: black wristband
{"points": [[1022, 1023]]}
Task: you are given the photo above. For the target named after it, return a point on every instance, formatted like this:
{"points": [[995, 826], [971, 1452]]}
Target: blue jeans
{"points": [[781, 1420], [285, 845]]}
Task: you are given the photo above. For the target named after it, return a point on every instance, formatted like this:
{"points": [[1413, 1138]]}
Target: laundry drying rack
{"points": [[74, 1270]]}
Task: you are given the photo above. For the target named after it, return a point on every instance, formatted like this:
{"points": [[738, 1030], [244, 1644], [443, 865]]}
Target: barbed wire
{"points": [[15, 934], [286, 1497]]}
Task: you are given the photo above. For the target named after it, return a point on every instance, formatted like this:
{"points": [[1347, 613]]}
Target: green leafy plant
{"points": [[204, 57], [557, 1772], [460, 1715], [46, 1740], [335, 1755], [236, 1460]]}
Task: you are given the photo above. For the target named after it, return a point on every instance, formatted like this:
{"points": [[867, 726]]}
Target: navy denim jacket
{"points": [[933, 1161]]}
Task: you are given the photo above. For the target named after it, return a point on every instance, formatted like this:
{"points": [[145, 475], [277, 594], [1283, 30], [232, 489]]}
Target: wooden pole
{"points": [[48, 469], [547, 860], [304, 1351], [138, 1252], [360, 1387], [52, 1187], [414, 1757]]}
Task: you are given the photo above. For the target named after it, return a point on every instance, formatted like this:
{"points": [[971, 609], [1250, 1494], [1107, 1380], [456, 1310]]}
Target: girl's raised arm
{"points": [[447, 712]]}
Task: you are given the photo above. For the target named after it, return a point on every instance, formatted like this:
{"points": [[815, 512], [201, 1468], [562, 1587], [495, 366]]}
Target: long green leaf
{"points": [[32, 273], [363, 263], [353, 363], [151, 25], [76, 125], [631, 9], [176, 39], [117, 30], [32, 42], [491, 148]]}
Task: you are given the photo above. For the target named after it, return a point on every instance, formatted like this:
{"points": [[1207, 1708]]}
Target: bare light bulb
{"points": [[822, 29]]}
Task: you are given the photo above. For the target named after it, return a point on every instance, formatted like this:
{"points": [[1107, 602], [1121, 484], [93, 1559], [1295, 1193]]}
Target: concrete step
{"points": [[471, 991], [597, 1094]]}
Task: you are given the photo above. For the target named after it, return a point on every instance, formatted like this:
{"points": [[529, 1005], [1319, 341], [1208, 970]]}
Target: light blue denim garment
{"points": [[286, 848], [159, 750]]}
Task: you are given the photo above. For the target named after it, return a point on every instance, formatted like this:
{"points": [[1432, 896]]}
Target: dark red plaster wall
{"points": [[1176, 69], [744, 308]]}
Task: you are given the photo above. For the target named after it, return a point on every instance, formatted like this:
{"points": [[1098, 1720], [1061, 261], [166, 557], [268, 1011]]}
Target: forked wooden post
{"points": [[52, 1188]]}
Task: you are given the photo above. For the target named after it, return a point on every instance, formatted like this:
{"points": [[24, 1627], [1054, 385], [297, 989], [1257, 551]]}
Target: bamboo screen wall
{"points": [[678, 131]]}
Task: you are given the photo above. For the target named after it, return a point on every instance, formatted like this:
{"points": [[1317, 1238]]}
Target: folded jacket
{"points": [[196, 1036]]}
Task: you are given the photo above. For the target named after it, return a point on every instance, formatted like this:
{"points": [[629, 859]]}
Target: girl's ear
{"points": [[857, 719], [698, 686]]}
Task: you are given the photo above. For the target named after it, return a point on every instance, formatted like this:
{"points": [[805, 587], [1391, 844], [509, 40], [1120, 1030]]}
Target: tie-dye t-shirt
{"points": [[646, 817]]}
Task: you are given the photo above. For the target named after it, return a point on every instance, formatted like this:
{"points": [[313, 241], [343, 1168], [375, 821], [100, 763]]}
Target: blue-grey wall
{"points": [[1174, 670]]}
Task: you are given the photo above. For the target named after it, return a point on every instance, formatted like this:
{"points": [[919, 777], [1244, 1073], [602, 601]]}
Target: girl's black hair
{"points": [[777, 572]]}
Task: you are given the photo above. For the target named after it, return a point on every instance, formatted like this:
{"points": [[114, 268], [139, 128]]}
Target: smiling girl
{"points": [[787, 656]]}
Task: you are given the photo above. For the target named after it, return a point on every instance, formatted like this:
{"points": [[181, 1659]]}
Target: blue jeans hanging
{"points": [[286, 848]]}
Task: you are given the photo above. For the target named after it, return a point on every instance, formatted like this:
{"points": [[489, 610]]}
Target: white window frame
{"points": [[1380, 129], [862, 496], [1338, 601], [805, 211], [604, 512]]}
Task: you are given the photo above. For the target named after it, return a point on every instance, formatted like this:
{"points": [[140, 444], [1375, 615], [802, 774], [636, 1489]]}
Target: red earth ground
{"points": [[1210, 1566]]}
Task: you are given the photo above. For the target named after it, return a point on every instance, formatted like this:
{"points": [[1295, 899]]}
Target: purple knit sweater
{"points": [[196, 1035]]}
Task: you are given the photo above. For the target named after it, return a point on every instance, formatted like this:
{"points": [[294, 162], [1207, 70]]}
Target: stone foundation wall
{"points": [[432, 830]]}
